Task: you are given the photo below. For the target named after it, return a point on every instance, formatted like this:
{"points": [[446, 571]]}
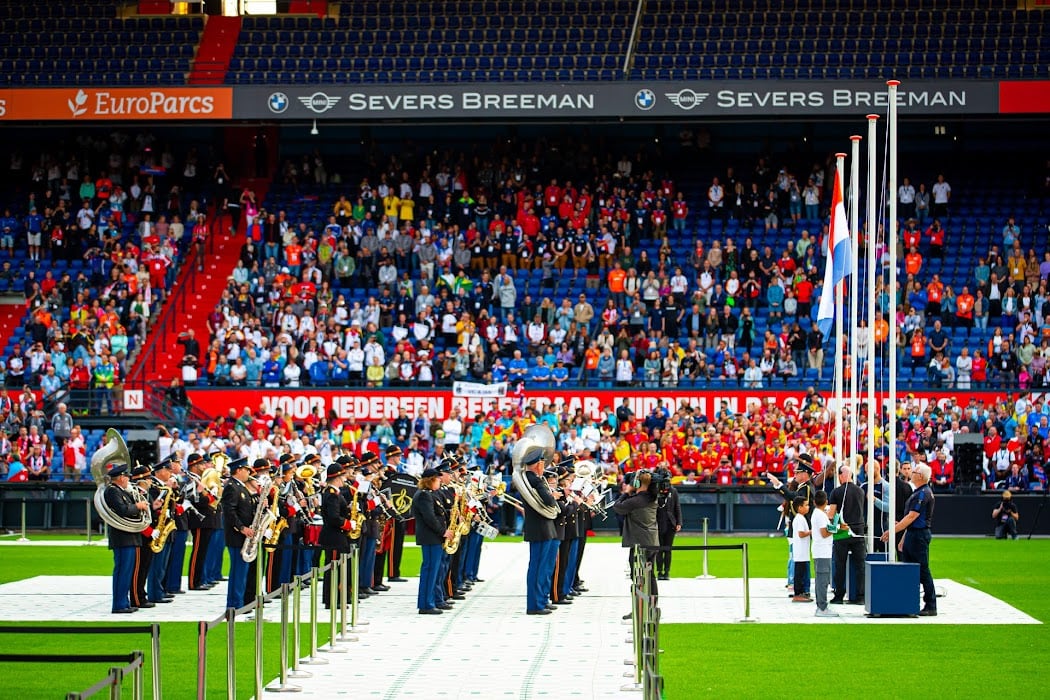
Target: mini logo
{"points": [[645, 99], [278, 102], [686, 98], [76, 105], [319, 102]]}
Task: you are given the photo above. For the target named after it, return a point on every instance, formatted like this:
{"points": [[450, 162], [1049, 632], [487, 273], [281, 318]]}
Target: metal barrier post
{"points": [[139, 688], [87, 518], [155, 651], [283, 685], [355, 590], [231, 653], [344, 633], [313, 658], [260, 601], [747, 589], [202, 660], [116, 678], [705, 576], [23, 538], [639, 589], [297, 672], [333, 605]]}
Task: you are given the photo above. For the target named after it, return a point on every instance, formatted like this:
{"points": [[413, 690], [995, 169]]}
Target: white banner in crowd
{"points": [[481, 391]]}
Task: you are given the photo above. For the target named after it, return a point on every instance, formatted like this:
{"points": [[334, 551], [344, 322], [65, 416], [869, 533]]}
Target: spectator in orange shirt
{"points": [[913, 262], [964, 309], [882, 329], [616, 278]]}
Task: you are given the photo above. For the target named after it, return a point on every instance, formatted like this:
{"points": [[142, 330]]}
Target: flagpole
{"points": [[891, 245], [854, 308], [840, 163], [873, 230]]}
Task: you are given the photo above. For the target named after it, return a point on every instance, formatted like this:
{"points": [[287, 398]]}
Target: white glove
{"points": [[186, 505], [269, 533], [155, 535]]}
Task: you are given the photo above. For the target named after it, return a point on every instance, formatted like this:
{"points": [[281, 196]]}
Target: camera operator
{"points": [[1005, 516], [668, 521]]}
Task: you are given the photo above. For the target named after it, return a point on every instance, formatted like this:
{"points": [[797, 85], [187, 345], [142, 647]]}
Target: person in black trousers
{"points": [[916, 525], [637, 505], [668, 522], [238, 510], [847, 500], [565, 529], [202, 527], [336, 525]]}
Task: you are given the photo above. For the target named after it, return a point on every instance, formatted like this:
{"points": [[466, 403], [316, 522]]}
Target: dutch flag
{"points": [[839, 263]]}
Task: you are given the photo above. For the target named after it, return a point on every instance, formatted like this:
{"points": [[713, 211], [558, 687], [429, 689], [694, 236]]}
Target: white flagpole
{"points": [[891, 246], [854, 282], [872, 229], [840, 164]]}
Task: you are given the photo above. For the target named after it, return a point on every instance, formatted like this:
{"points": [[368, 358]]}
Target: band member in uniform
{"points": [[238, 511], [637, 505], [584, 522], [184, 512], [397, 545], [277, 557], [292, 507], [123, 543], [431, 532], [260, 467], [217, 545], [163, 495], [202, 526], [141, 476], [383, 525], [337, 525], [668, 522], [370, 531], [539, 533], [565, 529], [446, 494]]}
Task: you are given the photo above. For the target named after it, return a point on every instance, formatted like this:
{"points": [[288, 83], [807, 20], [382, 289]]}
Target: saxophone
{"points": [[279, 523], [451, 546], [356, 517], [165, 524], [262, 521]]}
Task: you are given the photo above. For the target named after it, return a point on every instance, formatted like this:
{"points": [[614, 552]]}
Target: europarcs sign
{"points": [[627, 100]]}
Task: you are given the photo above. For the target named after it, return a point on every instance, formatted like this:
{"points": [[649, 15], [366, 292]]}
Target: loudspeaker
{"points": [[969, 462], [142, 444]]}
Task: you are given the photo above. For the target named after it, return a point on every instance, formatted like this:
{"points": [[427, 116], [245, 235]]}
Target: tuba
{"points": [[115, 451], [528, 494]]}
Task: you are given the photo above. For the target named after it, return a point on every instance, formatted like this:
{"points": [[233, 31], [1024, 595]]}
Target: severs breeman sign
{"points": [[627, 99]]}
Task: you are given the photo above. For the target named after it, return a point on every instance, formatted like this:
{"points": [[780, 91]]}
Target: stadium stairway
{"points": [[218, 43], [12, 314], [193, 298]]}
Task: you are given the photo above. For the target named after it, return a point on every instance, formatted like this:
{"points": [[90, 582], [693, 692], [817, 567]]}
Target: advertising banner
{"points": [[116, 104], [375, 404], [754, 98]]}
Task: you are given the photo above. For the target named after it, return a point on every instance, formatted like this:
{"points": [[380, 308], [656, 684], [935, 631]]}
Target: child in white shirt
{"points": [[800, 537], [822, 546]]}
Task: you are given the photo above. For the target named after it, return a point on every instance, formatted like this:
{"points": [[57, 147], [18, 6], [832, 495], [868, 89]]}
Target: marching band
{"points": [[297, 510]]}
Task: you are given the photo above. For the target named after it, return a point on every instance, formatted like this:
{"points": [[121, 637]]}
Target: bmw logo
{"points": [[278, 102], [645, 99]]}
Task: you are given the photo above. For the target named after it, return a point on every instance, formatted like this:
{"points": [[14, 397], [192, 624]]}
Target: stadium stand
{"points": [[56, 43]]}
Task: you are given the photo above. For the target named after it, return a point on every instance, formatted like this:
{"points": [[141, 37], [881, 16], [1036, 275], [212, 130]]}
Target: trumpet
{"points": [[501, 492]]}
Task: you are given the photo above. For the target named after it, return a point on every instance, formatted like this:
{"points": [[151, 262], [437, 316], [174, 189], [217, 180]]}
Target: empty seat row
{"points": [[435, 76], [103, 52], [893, 47], [490, 7], [1013, 72], [769, 31], [422, 50], [408, 37], [112, 76], [722, 60], [440, 63]]}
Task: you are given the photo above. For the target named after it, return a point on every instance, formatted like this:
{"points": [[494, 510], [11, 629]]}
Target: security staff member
{"points": [[203, 526], [394, 553], [916, 526], [431, 532], [238, 511], [539, 532], [141, 477], [668, 522], [123, 543], [336, 525]]}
